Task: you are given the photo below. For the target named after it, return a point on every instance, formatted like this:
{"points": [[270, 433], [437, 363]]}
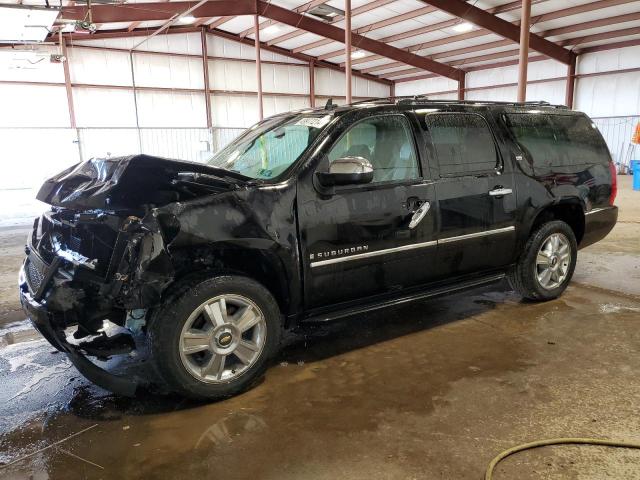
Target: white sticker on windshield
{"points": [[314, 122]]}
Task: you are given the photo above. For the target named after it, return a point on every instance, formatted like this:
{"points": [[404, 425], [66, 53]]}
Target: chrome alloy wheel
{"points": [[222, 338], [553, 260]]}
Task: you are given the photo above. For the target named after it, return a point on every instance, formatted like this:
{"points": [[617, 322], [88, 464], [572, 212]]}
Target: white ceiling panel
{"points": [[24, 24]]}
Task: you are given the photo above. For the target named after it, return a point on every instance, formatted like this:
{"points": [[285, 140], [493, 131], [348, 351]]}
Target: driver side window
{"points": [[387, 143]]}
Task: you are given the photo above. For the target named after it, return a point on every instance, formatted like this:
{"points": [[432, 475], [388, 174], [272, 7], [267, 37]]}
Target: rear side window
{"points": [[558, 140], [463, 142]]}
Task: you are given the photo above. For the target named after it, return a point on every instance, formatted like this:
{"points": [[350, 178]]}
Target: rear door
{"points": [[358, 241], [475, 192]]}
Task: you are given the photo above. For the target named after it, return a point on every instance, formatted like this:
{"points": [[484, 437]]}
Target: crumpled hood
{"points": [[133, 181]]}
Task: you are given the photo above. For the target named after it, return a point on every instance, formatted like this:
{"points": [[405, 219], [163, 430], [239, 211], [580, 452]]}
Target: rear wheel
{"points": [[547, 263], [213, 338]]}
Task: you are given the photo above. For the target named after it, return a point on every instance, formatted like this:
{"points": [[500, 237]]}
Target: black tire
{"points": [[523, 277], [167, 322]]}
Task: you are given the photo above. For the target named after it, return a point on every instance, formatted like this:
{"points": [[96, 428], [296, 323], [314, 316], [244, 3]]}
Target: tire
{"points": [[528, 277], [190, 334]]}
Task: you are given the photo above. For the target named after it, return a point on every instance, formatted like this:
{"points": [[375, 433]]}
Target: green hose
{"points": [[555, 441]]}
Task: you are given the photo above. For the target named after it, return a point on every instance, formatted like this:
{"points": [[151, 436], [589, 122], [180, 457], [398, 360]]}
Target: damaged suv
{"points": [[309, 216]]}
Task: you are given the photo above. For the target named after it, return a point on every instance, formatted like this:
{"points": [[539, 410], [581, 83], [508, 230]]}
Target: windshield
{"points": [[269, 148]]}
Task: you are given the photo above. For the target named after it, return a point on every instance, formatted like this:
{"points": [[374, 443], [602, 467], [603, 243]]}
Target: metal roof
{"points": [[470, 36]]}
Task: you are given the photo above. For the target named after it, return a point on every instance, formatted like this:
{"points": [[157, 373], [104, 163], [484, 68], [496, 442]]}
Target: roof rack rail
{"points": [[542, 103]]}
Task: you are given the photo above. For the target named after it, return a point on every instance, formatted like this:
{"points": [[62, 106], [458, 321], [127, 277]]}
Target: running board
{"points": [[436, 292]]}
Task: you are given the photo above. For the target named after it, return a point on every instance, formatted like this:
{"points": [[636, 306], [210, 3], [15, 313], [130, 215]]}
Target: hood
{"points": [[133, 182]]}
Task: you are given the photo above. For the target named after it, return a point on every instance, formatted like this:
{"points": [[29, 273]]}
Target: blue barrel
{"points": [[636, 176], [632, 165]]}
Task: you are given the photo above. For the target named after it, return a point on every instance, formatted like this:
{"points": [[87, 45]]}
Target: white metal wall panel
{"points": [[285, 79], [167, 72], [418, 87], [608, 60], [42, 152], [236, 75], [171, 109], [277, 104], [552, 92], [496, 76], [332, 83], [33, 106], [234, 110], [609, 95], [232, 75], [176, 43], [100, 107], [221, 47], [98, 67], [30, 67]]}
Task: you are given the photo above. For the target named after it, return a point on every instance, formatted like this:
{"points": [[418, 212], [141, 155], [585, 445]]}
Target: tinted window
{"points": [[463, 143], [386, 142], [558, 140]]}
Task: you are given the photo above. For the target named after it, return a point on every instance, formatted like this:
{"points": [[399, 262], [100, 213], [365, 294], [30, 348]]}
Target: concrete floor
{"points": [[432, 390]]}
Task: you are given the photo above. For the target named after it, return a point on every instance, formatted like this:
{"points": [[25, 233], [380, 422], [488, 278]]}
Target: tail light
{"points": [[614, 183]]}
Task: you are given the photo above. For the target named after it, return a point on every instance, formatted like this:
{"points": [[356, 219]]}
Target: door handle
{"points": [[500, 191], [419, 214]]}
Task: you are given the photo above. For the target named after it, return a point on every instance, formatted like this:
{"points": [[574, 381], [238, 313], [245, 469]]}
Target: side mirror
{"points": [[347, 171]]}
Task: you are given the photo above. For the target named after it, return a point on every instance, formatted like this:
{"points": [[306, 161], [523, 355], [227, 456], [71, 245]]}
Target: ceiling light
{"points": [[357, 54], [271, 29], [187, 19], [463, 27]]}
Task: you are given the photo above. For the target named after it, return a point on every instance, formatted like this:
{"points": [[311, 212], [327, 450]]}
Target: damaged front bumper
{"points": [[44, 322], [60, 288]]}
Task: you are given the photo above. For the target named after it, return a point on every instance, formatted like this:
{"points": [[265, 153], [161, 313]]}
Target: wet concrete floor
{"points": [[432, 390], [428, 391]]}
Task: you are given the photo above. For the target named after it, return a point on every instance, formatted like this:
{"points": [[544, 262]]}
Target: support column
{"points": [[67, 83], [256, 26], [571, 80], [312, 84], [392, 90], [347, 47], [525, 22], [461, 86], [205, 70]]}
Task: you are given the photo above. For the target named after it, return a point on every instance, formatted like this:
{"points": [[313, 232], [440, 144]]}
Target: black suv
{"points": [[309, 216]]}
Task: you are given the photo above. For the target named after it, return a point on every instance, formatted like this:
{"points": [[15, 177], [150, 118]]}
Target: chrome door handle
{"points": [[499, 192], [419, 214]]}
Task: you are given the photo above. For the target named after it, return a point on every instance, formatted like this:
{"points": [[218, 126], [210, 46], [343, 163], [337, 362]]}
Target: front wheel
{"points": [[547, 263], [213, 337]]}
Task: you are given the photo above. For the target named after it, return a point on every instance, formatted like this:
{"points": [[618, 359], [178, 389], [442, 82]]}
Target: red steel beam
{"points": [[140, 12], [312, 84], [301, 9], [205, 75], [456, 38], [356, 11], [523, 58], [67, 84], [500, 27], [557, 31], [347, 48], [506, 63], [319, 28], [298, 56], [256, 22], [416, 31], [371, 27], [571, 81], [609, 46]]}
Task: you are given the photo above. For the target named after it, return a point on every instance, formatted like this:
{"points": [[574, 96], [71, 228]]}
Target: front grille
{"points": [[36, 272]]}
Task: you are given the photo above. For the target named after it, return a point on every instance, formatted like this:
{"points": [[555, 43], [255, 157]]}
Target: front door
{"points": [[360, 241], [475, 192]]}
